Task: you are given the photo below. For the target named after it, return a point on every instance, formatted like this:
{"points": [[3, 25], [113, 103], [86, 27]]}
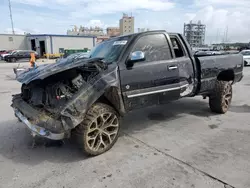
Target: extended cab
{"points": [[85, 98]]}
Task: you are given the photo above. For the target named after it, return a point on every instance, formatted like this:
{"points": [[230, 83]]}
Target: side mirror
{"points": [[135, 57]]}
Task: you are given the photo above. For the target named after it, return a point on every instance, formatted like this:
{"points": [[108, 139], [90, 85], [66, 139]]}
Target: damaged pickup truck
{"points": [[85, 98]]}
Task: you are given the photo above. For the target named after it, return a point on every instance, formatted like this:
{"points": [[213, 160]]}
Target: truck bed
{"points": [[212, 66]]}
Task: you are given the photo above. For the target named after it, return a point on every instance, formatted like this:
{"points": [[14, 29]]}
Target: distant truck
{"points": [[85, 98], [246, 57]]}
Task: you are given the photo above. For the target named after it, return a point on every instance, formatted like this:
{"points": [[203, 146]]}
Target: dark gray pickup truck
{"points": [[85, 98]]}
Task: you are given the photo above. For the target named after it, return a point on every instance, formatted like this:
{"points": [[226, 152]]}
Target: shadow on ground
{"points": [[240, 109], [141, 119], [16, 141], [16, 145]]}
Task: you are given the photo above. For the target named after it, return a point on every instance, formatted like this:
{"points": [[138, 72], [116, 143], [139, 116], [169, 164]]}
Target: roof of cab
{"points": [[139, 33]]}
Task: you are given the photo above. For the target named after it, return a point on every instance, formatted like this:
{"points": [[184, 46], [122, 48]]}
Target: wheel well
{"points": [[227, 75], [112, 98], [104, 100]]}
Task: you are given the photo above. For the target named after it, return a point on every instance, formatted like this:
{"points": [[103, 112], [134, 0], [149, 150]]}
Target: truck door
{"points": [[153, 80], [185, 64]]}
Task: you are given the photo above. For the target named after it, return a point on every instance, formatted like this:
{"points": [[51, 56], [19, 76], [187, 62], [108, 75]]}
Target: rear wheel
{"points": [[99, 130], [245, 63], [220, 99]]}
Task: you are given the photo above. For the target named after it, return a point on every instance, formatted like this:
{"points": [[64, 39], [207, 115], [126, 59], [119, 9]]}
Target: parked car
{"points": [[7, 52], [3, 51], [20, 55], [209, 53], [246, 57], [85, 99]]}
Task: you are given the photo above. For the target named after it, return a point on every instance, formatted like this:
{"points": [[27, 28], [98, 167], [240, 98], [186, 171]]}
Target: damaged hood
{"points": [[46, 70]]}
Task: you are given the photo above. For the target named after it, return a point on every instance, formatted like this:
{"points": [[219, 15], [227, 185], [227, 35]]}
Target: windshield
{"points": [[245, 52], [110, 50]]}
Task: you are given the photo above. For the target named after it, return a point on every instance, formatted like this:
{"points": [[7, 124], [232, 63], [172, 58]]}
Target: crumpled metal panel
{"points": [[72, 113], [44, 71]]}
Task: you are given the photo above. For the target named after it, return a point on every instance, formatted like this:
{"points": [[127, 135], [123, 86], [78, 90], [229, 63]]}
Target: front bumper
{"points": [[39, 123], [38, 131]]}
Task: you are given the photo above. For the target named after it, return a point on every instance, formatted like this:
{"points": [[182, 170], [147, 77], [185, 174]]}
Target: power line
{"points": [[12, 25]]}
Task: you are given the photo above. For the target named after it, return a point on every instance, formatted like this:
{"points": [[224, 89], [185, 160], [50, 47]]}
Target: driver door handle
{"points": [[172, 67]]}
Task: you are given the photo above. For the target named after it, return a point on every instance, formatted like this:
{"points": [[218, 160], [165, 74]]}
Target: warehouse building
{"points": [[13, 42], [46, 43], [53, 44]]}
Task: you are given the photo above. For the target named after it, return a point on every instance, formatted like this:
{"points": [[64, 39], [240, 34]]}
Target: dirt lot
{"points": [[179, 145]]}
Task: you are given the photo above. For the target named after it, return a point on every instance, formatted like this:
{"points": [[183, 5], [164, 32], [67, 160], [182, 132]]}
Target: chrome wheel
{"points": [[227, 96], [102, 131], [221, 97]]}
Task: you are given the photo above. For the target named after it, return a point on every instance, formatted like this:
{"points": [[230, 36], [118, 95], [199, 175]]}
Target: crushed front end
{"points": [[55, 100], [38, 121], [40, 103]]}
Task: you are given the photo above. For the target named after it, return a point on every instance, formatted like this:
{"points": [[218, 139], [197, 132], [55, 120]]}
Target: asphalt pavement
{"points": [[181, 144]]}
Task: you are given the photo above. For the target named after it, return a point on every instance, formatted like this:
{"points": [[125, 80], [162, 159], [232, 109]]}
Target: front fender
{"points": [[73, 113]]}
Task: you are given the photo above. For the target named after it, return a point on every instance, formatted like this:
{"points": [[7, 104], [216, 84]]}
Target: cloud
{"points": [[30, 2], [100, 7], [57, 16], [233, 3], [224, 24]]}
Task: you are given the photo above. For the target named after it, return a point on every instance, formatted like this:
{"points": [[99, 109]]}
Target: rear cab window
{"points": [[177, 47]]}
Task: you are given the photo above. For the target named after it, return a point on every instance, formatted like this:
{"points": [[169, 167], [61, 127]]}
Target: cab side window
{"points": [[177, 47], [155, 47]]}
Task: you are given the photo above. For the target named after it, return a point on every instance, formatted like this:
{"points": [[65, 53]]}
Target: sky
{"points": [[57, 16]]}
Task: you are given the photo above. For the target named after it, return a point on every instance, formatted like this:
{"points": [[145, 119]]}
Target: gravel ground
{"points": [[181, 144]]}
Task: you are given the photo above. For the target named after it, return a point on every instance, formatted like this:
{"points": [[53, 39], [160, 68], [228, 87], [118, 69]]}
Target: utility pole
{"points": [[226, 33], [12, 25], [217, 36]]}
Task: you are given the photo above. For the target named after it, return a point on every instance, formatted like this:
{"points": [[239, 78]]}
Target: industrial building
{"points": [[113, 31], [127, 24], [86, 31], [10, 42], [195, 33], [46, 43]]}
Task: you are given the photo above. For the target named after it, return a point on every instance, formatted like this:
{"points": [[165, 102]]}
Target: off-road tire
{"points": [[81, 132], [220, 99]]}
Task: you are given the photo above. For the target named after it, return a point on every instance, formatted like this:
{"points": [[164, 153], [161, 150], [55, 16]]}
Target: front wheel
{"points": [[220, 99], [13, 60], [100, 129]]}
